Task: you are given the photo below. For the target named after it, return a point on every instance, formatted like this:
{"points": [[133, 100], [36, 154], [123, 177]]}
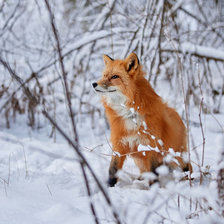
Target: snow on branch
{"points": [[197, 50]]}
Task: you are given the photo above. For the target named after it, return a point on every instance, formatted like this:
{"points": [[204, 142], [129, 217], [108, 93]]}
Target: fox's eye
{"points": [[115, 77]]}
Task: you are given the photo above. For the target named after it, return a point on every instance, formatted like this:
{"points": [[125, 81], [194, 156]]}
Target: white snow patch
{"points": [[162, 170], [160, 142], [144, 125], [132, 110]]}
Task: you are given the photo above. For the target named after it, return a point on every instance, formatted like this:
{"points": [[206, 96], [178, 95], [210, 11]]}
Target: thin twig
{"points": [[89, 193], [185, 102], [64, 75], [160, 39], [200, 120], [68, 98], [111, 28], [83, 159], [49, 189], [140, 52], [9, 170]]}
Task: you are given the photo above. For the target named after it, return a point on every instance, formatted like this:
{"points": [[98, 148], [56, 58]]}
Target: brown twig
{"points": [[200, 120], [89, 193], [64, 75], [83, 159], [69, 104], [68, 99], [160, 39], [186, 106]]}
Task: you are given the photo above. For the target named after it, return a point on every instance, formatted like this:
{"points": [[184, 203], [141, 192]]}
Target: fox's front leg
{"points": [[115, 165]]}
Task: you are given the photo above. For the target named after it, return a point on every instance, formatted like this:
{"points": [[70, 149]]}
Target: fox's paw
{"points": [[112, 181]]}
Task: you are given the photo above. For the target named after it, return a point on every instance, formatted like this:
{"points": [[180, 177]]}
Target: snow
{"points": [[160, 142], [202, 50], [132, 110], [143, 148], [35, 181], [163, 170], [144, 125], [195, 49], [41, 182]]}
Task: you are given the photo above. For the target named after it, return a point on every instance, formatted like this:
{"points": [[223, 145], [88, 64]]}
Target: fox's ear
{"points": [[132, 62], [107, 59]]}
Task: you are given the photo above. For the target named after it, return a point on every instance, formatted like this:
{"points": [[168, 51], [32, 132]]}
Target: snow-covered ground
{"points": [[41, 181], [40, 177]]}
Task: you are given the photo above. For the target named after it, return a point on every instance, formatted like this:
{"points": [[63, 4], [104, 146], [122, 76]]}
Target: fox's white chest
{"points": [[131, 117]]}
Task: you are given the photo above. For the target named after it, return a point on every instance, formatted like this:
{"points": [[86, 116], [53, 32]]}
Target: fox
{"points": [[139, 119]]}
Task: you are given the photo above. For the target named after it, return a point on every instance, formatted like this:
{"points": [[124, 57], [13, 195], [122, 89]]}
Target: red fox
{"points": [[139, 119]]}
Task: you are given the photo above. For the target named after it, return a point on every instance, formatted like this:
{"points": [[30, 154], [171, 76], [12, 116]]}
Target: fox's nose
{"points": [[94, 84]]}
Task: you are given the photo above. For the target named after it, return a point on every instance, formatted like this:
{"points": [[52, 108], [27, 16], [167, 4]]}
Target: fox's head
{"points": [[118, 76]]}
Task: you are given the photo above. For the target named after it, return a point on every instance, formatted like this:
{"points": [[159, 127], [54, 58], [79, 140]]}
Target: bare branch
{"points": [[64, 75]]}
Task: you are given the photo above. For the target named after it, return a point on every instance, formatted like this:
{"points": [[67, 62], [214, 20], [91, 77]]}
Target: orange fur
{"points": [[137, 115]]}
